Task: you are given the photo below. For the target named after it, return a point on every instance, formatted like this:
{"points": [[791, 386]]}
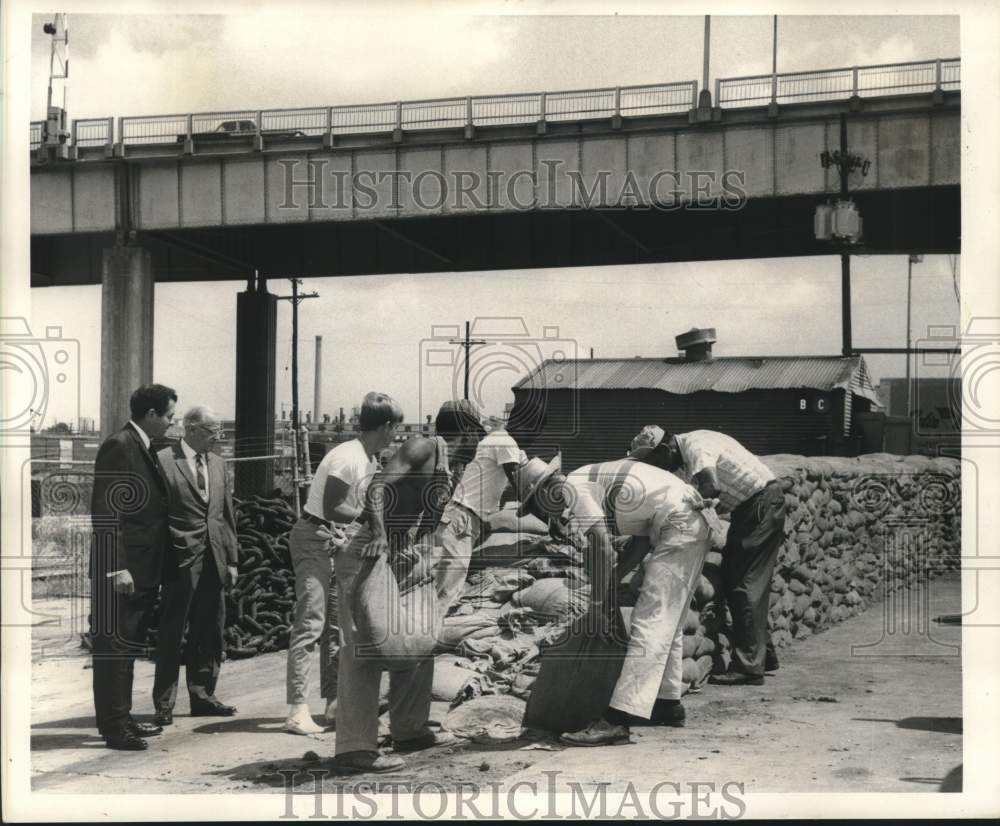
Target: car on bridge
{"points": [[239, 129]]}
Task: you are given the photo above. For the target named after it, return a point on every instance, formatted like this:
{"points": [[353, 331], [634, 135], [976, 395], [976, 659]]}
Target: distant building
{"points": [[591, 409]]}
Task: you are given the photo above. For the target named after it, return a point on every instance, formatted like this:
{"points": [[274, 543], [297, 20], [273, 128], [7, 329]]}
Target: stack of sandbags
{"points": [[856, 529]]}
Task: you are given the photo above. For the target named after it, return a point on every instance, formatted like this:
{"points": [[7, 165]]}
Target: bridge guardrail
{"points": [[93, 132], [522, 108], [917, 77], [37, 133]]}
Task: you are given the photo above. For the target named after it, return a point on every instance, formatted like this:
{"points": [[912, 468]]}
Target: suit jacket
{"points": [[128, 509], [193, 524]]}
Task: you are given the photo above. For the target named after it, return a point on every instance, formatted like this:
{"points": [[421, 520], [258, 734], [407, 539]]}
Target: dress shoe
{"points": [[215, 709], [598, 733], [125, 741], [736, 678], [431, 740], [144, 729], [364, 762], [668, 713], [164, 717], [300, 721]]}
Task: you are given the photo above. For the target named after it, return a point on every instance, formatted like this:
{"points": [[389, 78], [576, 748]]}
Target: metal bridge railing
{"points": [[514, 109], [919, 77], [37, 133], [93, 132]]}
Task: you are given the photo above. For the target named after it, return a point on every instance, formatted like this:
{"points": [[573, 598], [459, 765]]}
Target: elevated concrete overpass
{"points": [[615, 176]]}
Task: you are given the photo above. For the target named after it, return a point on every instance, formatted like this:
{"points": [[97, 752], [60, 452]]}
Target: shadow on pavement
{"points": [[254, 725], [944, 725], [51, 742], [953, 780]]}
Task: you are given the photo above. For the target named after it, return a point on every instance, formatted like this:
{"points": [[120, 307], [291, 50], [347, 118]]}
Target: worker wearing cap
{"points": [[720, 467], [671, 531]]}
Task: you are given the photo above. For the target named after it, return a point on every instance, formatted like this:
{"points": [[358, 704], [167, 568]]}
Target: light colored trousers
{"points": [[653, 662], [315, 617], [358, 697], [455, 536]]}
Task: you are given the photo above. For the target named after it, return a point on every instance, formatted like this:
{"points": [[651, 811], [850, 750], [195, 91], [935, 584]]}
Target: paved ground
{"points": [[827, 721]]}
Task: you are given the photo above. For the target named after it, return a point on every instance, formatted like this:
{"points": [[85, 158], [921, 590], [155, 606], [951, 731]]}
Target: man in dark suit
{"points": [[200, 564], [129, 516]]}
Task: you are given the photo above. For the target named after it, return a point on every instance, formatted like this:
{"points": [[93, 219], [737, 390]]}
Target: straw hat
{"points": [[530, 477]]}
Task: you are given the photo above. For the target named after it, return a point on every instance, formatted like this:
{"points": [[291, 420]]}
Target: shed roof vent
{"points": [[696, 343]]}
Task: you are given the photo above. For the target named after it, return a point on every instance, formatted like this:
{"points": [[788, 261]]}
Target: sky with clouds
{"points": [[373, 326]]}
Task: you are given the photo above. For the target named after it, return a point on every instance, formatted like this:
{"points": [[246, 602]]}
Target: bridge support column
{"points": [[256, 324], [126, 330]]}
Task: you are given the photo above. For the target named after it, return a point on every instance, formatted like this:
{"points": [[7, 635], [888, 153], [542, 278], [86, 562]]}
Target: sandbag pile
{"points": [[856, 529]]}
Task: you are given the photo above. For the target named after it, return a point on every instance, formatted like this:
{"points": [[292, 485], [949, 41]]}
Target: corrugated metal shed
{"points": [[721, 375]]}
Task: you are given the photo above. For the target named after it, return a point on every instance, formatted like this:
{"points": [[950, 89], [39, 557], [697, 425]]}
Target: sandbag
{"points": [[450, 678], [493, 719], [550, 598], [507, 521], [459, 627], [506, 549], [577, 676], [396, 612]]}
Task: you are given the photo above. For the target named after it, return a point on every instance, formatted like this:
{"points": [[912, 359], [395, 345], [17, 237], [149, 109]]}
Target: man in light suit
{"points": [[128, 512], [200, 564]]}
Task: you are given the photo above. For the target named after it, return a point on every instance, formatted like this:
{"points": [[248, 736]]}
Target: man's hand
{"points": [[123, 582], [378, 546], [231, 574]]}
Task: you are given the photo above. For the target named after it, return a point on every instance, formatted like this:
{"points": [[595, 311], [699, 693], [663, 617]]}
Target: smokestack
{"points": [[696, 343], [317, 395]]}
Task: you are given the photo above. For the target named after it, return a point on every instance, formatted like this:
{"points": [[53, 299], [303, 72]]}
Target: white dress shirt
{"points": [[190, 453]]}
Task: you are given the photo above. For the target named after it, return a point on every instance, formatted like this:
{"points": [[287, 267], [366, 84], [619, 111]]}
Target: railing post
{"points": [[397, 133], [616, 118], [854, 82], [937, 74], [469, 130], [541, 114], [120, 146], [73, 132], [328, 133], [694, 94], [774, 89], [189, 125], [111, 132], [718, 92]]}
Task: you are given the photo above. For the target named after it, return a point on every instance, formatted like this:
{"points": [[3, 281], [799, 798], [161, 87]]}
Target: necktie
{"points": [[200, 466]]}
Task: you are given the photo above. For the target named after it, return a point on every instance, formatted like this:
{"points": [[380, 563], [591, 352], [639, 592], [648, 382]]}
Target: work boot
{"points": [[365, 762], [771, 659], [598, 733], [300, 721], [668, 713]]}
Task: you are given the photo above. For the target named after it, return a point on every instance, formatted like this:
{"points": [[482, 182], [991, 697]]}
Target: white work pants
{"points": [[653, 662]]}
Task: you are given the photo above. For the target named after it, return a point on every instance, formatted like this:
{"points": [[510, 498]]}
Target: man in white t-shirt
{"points": [[672, 536], [475, 498], [336, 498]]}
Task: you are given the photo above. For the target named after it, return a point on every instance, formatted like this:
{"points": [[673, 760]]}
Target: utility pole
{"points": [[704, 74], [774, 47], [296, 298], [913, 259], [845, 259], [467, 344]]}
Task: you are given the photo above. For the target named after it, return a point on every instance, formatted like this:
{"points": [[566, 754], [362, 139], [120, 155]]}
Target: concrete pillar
{"points": [[256, 325], [126, 330], [318, 382]]}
